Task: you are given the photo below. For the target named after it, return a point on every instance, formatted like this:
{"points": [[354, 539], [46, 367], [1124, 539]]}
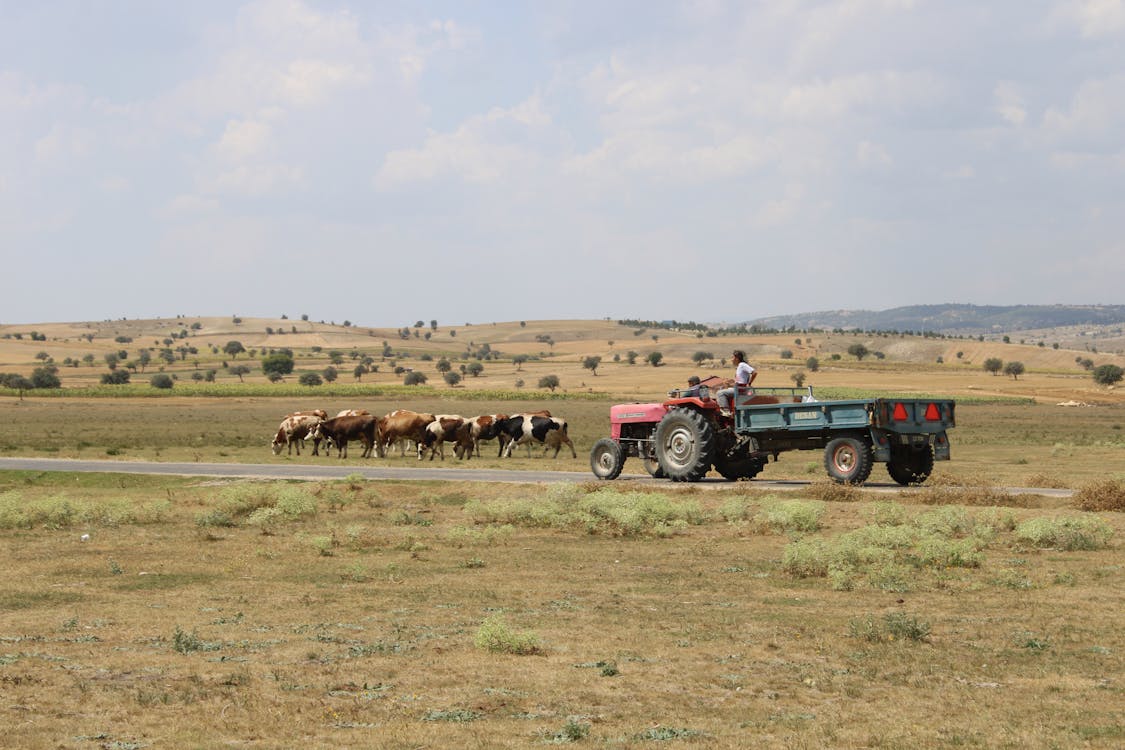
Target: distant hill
{"points": [[953, 319]]}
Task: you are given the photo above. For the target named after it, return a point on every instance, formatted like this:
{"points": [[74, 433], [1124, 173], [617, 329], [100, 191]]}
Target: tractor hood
{"points": [[630, 413]]}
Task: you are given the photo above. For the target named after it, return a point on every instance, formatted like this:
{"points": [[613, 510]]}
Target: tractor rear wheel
{"points": [[685, 445], [607, 459], [848, 460]]}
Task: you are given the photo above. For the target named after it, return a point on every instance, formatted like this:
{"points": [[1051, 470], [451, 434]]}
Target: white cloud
{"points": [[483, 149], [1009, 103], [1092, 18], [244, 138], [256, 180], [872, 155], [62, 144]]}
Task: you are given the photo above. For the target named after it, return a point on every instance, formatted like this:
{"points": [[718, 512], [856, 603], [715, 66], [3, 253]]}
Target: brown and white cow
{"points": [[353, 413], [401, 425], [481, 428], [448, 428], [294, 429], [342, 430], [525, 429], [311, 413]]}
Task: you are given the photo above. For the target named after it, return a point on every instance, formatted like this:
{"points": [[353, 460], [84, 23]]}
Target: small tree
{"points": [[700, 357], [16, 382], [443, 365], [549, 381], [859, 351], [144, 356], [591, 364], [414, 378], [234, 348], [654, 358], [631, 357], [474, 368], [518, 361], [798, 378], [1107, 374], [239, 370], [116, 377], [111, 360], [161, 380], [1015, 369], [45, 377], [993, 365], [452, 378], [330, 374], [280, 363], [357, 373], [310, 379], [812, 364], [786, 354]]}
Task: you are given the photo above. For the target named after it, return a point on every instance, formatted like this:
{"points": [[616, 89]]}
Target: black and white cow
{"points": [[521, 429]]}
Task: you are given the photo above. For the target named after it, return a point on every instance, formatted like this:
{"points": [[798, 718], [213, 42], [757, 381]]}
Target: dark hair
{"points": [[693, 380], [739, 354]]}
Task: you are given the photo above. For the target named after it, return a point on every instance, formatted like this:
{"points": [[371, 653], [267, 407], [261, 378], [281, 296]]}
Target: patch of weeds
{"points": [[572, 731], [185, 643], [885, 513], [1031, 642], [1063, 579], [607, 668], [10, 600], [488, 536], [1070, 534], [1010, 578], [406, 518], [496, 636], [891, 627], [780, 516], [663, 734], [736, 509], [456, 715], [114, 568], [217, 518], [1107, 494], [830, 492], [471, 564], [325, 546]]}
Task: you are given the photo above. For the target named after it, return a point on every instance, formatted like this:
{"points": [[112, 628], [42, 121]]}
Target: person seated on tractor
{"points": [[693, 387], [744, 376]]}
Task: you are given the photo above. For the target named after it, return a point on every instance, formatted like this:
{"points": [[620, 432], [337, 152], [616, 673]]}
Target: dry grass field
{"points": [[168, 612], [143, 612]]}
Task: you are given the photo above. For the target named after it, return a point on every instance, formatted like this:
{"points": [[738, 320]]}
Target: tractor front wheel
{"points": [[607, 459], [685, 445]]}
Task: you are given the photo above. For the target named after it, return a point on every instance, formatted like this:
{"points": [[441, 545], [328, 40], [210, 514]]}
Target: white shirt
{"points": [[742, 373]]}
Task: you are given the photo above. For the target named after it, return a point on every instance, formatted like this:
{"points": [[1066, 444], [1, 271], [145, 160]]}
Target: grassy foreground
{"points": [[402, 615]]}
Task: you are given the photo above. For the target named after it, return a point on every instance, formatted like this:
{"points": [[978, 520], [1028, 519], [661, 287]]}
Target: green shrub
{"points": [[636, 513], [1073, 533], [495, 636], [790, 515]]}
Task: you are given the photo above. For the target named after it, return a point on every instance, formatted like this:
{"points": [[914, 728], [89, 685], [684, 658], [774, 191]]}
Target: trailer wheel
{"points": [[913, 467], [685, 445], [607, 459], [848, 460]]}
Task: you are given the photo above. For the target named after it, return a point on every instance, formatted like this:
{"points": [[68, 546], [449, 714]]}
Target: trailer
{"points": [[687, 435]]}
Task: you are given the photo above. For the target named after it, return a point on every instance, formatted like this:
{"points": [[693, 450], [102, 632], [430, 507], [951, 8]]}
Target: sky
{"points": [[386, 162]]}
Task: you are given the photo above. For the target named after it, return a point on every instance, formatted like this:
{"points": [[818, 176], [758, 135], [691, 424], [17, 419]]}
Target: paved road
{"points": [[313, 472]]}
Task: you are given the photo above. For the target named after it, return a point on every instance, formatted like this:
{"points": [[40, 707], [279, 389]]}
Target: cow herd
{"points": [[426, 432]]}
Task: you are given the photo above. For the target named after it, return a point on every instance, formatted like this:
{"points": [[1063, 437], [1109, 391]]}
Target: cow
{"points": [[341, 430], [452, 428], [482, 427], [520, 429], [311, 413], [353, 413], [294, 429], [401, 425]]}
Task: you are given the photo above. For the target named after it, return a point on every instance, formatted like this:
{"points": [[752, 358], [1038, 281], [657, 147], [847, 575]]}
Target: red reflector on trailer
{"points": [[933, 414], [900, 412]]}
